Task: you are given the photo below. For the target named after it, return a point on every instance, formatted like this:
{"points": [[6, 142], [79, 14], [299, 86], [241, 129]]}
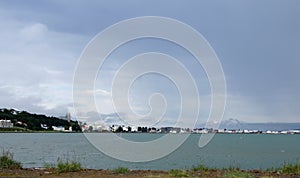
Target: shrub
{"points": [[49, 166], [178, 173], [201, 168], [237, 174], [290, 168], [121, 170], [68, 166], [7, 161]]}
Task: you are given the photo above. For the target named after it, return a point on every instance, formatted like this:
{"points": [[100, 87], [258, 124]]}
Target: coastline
{"points": [[231, 172], [221, 133]]}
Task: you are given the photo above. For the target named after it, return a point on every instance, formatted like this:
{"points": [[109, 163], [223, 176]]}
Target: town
{"points": [[22, 121], [174, 130], [178, 130]]}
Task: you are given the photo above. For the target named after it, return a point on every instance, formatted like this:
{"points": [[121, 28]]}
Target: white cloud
{"points": [[102, 92], [53, 72], [36, 31], [37, 66]]}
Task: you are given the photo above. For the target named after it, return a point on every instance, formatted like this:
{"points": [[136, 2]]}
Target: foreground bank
{"points": [[201, 172], [12, 168]]}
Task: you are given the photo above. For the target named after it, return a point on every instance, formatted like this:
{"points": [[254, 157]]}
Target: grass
{"points": [[49, 166], [237, 174], [202, 168], [232, 169], [121, 170], [178, 173], [289, 168], [230, 172], [7, 161], [66, 166], [14, 129]]}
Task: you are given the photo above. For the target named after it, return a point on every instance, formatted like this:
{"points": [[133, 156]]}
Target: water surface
{"points": [[259, 151]]}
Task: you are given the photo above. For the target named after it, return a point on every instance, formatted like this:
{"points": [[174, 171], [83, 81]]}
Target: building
{"points": [[44, 126], [58, 128], [6, 124], [166, 129]]}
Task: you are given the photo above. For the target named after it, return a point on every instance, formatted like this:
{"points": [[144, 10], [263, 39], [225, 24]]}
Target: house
{"points": [[70, 129], [6, 124], [44, 126], [58, 128]]}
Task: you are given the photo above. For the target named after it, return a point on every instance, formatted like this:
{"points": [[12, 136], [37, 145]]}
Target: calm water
{"points": [[244, 151]]}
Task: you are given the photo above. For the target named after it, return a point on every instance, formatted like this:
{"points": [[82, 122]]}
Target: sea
{"points": [[245, 151]]}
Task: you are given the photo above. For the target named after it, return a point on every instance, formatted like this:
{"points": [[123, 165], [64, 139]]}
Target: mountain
{"points": [[36, 122], [231, 124], [236, 124], [271, 126]]}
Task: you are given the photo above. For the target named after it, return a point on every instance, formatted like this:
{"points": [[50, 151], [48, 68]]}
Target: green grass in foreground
{"points": [[66, 166], [121, 170], [289, 168], [237, 174], [230, 172], [202, 168], [7, 161], [178, 173]]}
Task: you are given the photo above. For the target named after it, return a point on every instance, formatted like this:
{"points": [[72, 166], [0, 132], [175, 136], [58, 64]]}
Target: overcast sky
{"points": [[257, 43]]}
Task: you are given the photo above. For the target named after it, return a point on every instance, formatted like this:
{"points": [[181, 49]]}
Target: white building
{"points": [[6, 124], [70, 129], [59, 128]]}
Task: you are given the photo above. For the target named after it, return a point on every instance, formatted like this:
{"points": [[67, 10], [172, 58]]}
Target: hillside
{"points": [[36, 122]]}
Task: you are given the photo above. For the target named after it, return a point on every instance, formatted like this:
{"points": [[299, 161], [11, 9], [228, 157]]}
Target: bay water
{"points": [[246, 151]]}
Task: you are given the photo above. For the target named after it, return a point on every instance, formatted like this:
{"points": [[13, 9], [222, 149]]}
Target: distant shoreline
{"points": [[263, 133]]}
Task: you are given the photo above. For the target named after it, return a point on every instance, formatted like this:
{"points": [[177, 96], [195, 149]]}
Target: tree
{"points": [[119, 129], [139, 129]]}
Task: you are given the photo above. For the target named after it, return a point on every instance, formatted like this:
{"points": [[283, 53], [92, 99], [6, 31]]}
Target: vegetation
{"points": [[237, 174], [7, 161], [14, 129], [68, 166], [286, 170], [49, 166], [24, 121], [64, 166], [67, 169], [201, 168], [232, 169], [178, 173], [121, 170], [289, 168]]}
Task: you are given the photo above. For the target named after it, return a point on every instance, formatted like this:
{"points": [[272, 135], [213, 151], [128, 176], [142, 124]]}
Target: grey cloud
{"points": [[42, 40]]}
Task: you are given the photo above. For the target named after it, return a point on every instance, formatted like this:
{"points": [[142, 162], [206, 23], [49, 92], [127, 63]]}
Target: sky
{"points": [[257, 43]]}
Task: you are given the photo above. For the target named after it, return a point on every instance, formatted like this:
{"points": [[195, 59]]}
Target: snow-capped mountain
{"points": [[237, 124]]}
